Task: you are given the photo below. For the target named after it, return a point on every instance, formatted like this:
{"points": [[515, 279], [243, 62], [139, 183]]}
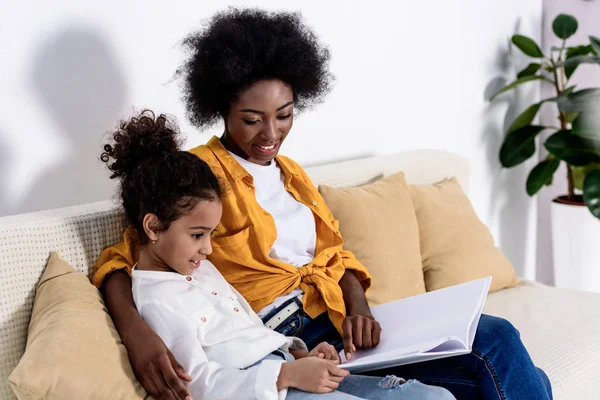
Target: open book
{"points": [[425, 327]]}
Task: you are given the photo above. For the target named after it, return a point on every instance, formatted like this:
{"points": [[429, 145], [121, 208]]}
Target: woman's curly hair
{"points": [[242, 46], [155, 176]]}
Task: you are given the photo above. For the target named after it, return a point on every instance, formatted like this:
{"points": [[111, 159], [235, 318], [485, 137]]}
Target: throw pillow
{"points": [[73, 349], [378, 224], [456, 246]]}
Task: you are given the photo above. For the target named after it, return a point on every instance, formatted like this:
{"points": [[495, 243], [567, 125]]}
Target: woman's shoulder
{"points": [[205, 153], [287, 161], [291, 165]]}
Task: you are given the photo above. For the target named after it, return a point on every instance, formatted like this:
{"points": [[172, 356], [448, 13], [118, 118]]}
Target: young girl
{"points": [[172, 200]]}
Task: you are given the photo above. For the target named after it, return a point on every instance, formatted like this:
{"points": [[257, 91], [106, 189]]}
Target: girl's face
{"points": [[187, 241], [259, 121]]}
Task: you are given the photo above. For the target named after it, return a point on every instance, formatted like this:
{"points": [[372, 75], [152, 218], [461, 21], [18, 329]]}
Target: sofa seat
{"points": [[561, 330]]}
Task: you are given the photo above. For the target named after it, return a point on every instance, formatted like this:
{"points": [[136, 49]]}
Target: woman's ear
{"points": [[151, 224]]}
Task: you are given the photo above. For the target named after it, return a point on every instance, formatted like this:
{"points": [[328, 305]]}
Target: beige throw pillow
{"points": [[73, 349], [456, 246], [378, 224]]}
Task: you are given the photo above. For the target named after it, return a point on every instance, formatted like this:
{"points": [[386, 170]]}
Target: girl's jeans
{"points": [[357, 387], [498, 368]]}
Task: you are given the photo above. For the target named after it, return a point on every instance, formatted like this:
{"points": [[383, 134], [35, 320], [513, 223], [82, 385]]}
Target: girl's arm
{"points": [[209, 379], [154, 365]]}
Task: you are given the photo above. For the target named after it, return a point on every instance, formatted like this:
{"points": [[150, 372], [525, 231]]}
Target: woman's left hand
{"points": [[326, 351], [360, 332]]}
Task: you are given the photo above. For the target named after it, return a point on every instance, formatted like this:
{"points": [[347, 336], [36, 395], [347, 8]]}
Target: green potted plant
{"points": [[575, 141]]}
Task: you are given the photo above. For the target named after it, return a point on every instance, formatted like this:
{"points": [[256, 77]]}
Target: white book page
{"points": [[442, 322]]}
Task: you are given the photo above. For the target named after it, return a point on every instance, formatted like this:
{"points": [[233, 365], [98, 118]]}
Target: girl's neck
{"points": [[149, 262]]}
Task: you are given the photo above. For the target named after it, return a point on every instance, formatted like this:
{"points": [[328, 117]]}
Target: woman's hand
{"points": [[311, 374], [325, 351], [154, 365], [360, 332], [359, 329]]}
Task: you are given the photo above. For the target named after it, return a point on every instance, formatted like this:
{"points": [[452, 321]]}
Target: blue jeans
{"points": [[357, 387], [498, 368]]}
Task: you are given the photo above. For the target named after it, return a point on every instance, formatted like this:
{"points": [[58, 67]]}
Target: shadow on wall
{"points": [[509, 201], [4, 165], [79, 84]]}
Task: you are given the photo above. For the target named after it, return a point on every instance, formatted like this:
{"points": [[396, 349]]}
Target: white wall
{"points": [[409, 75], [588, 16]]}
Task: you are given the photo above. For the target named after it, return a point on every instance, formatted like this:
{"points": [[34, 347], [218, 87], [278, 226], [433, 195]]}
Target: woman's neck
{"points": [[231, 146]]}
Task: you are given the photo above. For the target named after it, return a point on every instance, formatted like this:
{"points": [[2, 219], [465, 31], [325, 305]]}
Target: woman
{"points": [[278, 243]]}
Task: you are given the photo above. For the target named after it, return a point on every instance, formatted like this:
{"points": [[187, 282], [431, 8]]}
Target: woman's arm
{"points": [[153, 364], [360, 329]]}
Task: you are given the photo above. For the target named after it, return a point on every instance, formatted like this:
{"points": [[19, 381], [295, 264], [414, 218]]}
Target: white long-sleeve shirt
{"points": [[213, 333]]}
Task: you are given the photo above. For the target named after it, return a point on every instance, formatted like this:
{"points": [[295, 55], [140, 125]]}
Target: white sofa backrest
{"points": [[80, 233]]}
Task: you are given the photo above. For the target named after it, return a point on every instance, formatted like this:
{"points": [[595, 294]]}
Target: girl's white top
{"points": [[213, 333]]}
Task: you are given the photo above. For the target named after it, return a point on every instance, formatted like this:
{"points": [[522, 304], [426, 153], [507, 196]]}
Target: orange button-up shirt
{"points": [[246, 233]]}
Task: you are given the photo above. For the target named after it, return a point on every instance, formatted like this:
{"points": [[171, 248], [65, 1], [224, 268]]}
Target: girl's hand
{"points": [[325, 351], [311, 374]]}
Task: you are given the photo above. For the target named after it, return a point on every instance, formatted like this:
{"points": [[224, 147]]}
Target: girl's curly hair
{"points": [[155, 176]]}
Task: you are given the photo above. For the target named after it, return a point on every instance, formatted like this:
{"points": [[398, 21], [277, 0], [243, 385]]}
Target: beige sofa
{"points": [[561, 328]]}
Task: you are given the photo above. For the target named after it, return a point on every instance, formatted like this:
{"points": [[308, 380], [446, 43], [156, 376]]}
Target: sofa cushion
{"points": [[378, 224], [559, 328], [456, 246], [73, 349]]}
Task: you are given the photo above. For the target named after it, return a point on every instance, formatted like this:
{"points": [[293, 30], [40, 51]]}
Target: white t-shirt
{"points": [[294, 221]]}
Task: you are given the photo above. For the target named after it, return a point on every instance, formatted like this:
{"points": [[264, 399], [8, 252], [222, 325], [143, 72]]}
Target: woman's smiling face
{"points": [[259, 121]]}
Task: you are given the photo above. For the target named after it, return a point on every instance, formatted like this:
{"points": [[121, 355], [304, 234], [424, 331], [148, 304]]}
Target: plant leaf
{"points": [[579, 50], [568, 91], [591, 192], [573, 61], [577, 101], [531, 69], [517, 83], [573, 149], [579, 174], [576, 60], [587, 124], [527, 46], [571, 116], [564, 26], [570, 70], [541, 175], [519, 145], [595, 44], [525, 118]]}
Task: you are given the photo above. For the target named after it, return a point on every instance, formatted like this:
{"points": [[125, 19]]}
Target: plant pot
{"points": [[576, 244]]}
